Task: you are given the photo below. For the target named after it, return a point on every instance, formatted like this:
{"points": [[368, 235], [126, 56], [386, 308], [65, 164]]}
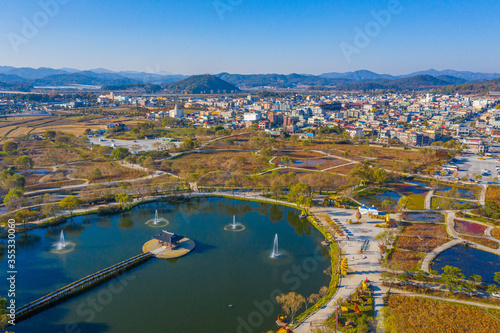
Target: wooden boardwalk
{"points": [[79, 286]]}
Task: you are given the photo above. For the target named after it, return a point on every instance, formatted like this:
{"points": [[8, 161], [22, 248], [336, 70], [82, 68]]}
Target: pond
{"points": [[470, 261], [427, 217], [408, 189], [190, 294], [36, 171], [462, 193], [377, 199]]}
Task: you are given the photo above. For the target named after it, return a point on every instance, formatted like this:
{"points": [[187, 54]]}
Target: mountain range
{"points": [[26, 78]]}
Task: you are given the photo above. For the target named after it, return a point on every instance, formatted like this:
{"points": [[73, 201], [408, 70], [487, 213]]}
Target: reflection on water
{"points": [[427, 217], [470, 261], [225, 267]]}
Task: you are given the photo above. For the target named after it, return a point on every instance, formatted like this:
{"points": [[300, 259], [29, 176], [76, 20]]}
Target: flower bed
{"points": [[422, 237], [496, 233], [482, 241], [413, 314], [469, 228], [406, 260]]}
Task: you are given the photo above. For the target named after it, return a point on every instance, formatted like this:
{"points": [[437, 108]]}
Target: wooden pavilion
{"points": [[168, 239]]}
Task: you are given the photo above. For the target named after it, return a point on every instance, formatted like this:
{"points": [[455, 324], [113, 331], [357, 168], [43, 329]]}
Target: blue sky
{"points": [[250, 36]]}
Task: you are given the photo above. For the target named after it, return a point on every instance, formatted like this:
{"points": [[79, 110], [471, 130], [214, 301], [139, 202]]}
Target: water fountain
{"points": [[63, 246], [62, 242], [157, 222], [235, 226], [276, 252]]}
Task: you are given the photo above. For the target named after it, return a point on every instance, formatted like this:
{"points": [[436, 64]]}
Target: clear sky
{"points": [[251, 36]]}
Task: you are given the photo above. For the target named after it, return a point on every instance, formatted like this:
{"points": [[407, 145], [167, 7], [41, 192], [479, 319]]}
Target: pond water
{"points": [[302, 163], [190, 294], [427, 217], [470, 261], [409, 189], [461, 192], [444, 203], [36, 171], [417, 183], [377, 199]]}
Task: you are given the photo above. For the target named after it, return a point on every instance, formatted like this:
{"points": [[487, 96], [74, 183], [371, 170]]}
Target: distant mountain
{"points": [[451, 79], [358, 75], [279, 80], [99, 76], [469, 76], [32, 73], [202, 84], [10, 78], [417, 82], [152, 77], [361, 80], [84, 78]]}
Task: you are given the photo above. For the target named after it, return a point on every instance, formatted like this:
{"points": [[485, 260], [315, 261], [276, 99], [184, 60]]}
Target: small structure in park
{"points": [[168, 239]]}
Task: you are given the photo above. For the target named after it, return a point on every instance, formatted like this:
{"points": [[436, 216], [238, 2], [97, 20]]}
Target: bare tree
{"points": [[291, 303]]}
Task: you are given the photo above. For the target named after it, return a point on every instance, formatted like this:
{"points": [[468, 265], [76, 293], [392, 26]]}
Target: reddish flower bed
{"points": [[469, 228]]}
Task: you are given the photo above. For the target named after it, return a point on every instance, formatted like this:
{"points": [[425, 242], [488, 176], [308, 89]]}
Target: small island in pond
{"points": [[168, 245]]}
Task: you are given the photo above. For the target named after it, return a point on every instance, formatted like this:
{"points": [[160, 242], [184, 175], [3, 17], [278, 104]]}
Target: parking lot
{"points": [[134, 146], [471, 165]]}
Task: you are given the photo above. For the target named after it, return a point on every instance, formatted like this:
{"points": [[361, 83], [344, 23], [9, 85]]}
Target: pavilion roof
{"points": [[168, 237]]}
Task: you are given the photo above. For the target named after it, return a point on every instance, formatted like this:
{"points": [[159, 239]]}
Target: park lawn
{"points": [[111, 171], [235, 162], [422, 237], [66, 155], [416, 202], [405, 314], [344, 169], [405, 260]]}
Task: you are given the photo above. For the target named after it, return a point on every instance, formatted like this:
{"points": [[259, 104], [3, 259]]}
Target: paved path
{"points": [[457, 239], [482, 197], [434, 253], [361, 265], [428, 199]]}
